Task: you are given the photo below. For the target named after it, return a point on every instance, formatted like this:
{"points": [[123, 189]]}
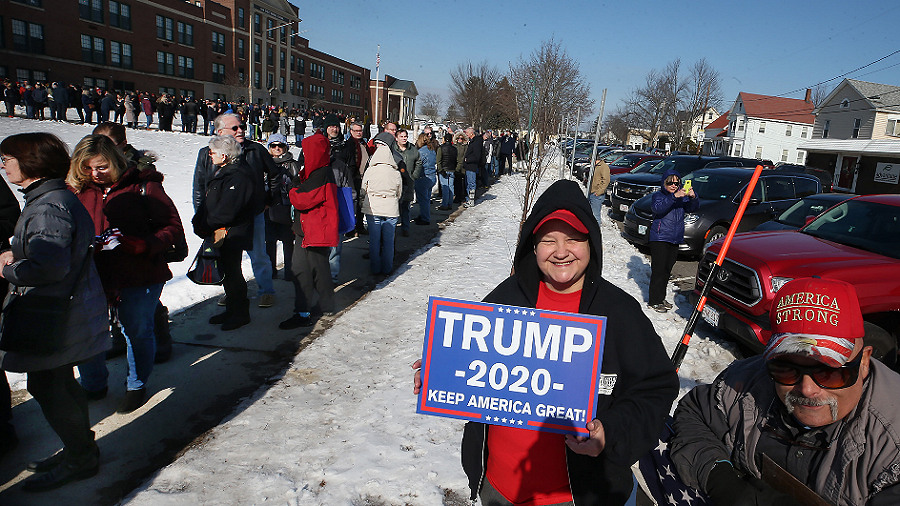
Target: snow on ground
{"points": [[340, 427]]}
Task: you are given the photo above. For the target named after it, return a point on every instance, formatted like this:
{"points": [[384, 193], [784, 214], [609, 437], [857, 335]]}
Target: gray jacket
{"points": [[50, 245], [724, 420]]}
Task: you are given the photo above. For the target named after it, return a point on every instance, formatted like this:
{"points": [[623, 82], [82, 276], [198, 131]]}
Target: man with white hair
{"points": [[815, 403], [259, 159]]}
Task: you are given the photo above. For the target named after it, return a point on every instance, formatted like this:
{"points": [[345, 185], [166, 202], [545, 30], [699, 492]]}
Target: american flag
{"points": [[663, 483], [377, 60]]}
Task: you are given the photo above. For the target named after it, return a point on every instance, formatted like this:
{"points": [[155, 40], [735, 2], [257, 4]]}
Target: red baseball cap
{"points": [[566, 216], [818, 318]]}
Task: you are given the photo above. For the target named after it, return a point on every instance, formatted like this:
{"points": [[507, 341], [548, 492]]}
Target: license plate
{"points": [[623, 208], [711, 316], [642, 229]]}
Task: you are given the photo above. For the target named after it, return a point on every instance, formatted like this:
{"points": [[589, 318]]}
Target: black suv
{"points": [[720, 191], [627, 188]]}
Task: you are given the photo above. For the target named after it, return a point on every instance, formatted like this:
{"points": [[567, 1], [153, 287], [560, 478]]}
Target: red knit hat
{"points": [[566, 216], [819, 318]]}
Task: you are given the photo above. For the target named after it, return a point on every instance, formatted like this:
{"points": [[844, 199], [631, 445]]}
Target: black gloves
{"points": [[726, 488]]}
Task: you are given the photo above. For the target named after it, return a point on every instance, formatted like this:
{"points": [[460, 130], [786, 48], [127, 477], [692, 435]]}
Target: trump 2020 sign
{"points": [[506, 365]]}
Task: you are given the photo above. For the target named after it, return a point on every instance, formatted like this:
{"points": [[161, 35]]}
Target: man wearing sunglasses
{"points": [[815, 402]]}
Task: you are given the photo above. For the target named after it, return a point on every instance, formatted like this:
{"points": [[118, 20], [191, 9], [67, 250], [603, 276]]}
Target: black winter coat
{"points": [[473, 155], [634, 361], [233, 198]]}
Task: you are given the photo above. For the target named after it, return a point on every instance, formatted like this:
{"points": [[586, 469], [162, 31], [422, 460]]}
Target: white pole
{"points": [[377, 94], [596, 141], [575, 145]]}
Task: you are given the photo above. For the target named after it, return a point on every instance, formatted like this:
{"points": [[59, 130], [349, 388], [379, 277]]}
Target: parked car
{"points": [[630, 187], [797, 215], [645, 166], [630, 161], [825, 176], [857, 241], [720, 191]]}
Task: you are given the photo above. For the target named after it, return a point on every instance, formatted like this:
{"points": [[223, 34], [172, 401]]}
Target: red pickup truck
{"points": [[857, 241]]}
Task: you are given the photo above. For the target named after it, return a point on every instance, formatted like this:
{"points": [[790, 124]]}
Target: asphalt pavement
{"points": [[211, 375]]}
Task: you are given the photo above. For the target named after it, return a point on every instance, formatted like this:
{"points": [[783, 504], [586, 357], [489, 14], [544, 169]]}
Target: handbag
{"points": [[35, 324], [346, 210], [206, 268]]}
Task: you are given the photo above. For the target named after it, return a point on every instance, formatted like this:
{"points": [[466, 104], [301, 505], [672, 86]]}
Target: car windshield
{"points": [[796, 214], [682, 165], [626, 160], [718, 187], [865, 225], [645, 166]]}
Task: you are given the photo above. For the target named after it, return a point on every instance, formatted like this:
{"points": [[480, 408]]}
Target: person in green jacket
{"points": [[413, 163]]}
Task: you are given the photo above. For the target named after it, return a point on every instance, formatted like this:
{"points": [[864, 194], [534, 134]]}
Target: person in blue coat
{"points": [[669, 204]]}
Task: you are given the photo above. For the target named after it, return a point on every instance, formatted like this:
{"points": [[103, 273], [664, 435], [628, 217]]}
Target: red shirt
{"points": [[529, 467]]}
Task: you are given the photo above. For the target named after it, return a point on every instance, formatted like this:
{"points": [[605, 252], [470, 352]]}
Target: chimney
{"points": [[808, 98]]}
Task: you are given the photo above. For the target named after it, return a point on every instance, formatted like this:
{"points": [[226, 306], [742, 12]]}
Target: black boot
{"points": [[68, 468], [239, 316], [218, 319], [163, 336]]}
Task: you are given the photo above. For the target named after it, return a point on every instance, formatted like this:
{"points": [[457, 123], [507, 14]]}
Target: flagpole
{"points": [[377, 94]]}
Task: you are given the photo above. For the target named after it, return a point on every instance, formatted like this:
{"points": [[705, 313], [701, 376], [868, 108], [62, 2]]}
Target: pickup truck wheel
{"points": [[716, 232], [884, 344]]}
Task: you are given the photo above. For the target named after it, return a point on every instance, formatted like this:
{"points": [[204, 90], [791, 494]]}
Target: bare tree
{"points": [[702, 90], [616, 124], [818, 94], [504, 114], [452, 113], [473, 88], [647, 106], [430, 105]]}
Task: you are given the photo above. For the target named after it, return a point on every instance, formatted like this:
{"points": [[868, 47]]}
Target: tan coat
{"points": [[382, 185], [601, 178]]}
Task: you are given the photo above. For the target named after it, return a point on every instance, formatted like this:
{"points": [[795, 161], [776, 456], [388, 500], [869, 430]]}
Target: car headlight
{"points": [[691, 218], [778, 282]]}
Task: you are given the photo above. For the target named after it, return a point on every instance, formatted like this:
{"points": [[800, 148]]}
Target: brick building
{"points": [[195, 47]]}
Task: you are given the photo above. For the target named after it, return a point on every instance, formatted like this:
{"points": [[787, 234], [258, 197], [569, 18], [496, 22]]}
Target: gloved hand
{"points": [[726, 488], [132, 245]]}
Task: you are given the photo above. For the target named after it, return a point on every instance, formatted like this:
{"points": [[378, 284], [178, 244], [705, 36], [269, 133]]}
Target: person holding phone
{"points": [[669, 204]]}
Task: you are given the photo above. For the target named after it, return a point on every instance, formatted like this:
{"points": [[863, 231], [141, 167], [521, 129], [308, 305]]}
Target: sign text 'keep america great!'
{"points": [[505, 365]]}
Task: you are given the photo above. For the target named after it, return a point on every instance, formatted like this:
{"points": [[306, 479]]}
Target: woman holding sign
{"points": [[557, 266]]}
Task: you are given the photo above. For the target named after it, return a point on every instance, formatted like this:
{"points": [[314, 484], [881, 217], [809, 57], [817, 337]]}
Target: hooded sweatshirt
{"points": [[668, 212], [315, 196], [382, 184], [641, 379]]}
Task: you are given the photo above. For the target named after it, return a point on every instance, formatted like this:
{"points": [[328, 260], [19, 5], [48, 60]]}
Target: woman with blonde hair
{"points": [[135, 222], [426, 178]]}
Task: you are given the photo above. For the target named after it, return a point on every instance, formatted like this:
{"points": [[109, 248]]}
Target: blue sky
{"points": [[761, 46]]}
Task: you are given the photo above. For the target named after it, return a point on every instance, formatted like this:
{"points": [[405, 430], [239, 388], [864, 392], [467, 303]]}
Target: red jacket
{"points": [[315, 195], [152, 218]]}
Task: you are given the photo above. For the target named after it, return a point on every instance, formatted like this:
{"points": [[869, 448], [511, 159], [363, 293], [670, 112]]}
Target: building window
{"points": [[740, 126], [218, 73], [787, 131], [758, 152], [119, 15], [270, 56], [240, 43], [256, 54], [240, 17], [39, 75], [856, 123], [293, 64], [300, 88], [337, 76], [316, 70], [762, 127], [292, 85], [28, 37], [93, 49], [283, 34], [218, 42], [241, 75], [354, 99], [845, 103], [165, 28], [784, 155], [185, 34], [893, 127], [256, 20], [825, 128], [800, 157], [256, 81], [804, 132], [187, 93], [737, 149], [186, 67], [270, 80], [165, 63], [270, 24], [281, 85], [91, 10], [120, 55], [355, 82], [301, 65], [283, 59], [164, 90]]}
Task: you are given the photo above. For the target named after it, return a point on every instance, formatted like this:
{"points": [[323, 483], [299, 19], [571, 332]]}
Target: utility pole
{"points": [[377, 94], [596, 141]]}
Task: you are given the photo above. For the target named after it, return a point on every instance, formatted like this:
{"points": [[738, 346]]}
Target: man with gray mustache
{"points": [[815, 402]]}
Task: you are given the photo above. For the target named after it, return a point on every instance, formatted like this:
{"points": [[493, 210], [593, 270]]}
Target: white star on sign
{"points": [[532, 313], [504, 420], [519, 422], [662, 446], [516, 311]]}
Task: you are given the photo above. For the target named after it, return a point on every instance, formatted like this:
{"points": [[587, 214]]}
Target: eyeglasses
{"points": [[6, 158], [235, 128], [672, 183], [278, 145], [831, 378]]}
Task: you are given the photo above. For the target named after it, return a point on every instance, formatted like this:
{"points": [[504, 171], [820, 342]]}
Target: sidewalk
{"points": [[210, 374]]}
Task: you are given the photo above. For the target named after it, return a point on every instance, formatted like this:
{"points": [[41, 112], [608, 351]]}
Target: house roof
{"points": [[777, 108], [404, 85], [882, 96], [720, 122]]}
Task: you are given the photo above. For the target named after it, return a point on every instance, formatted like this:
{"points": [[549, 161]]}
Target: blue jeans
{"points": [[404, 215], [149, 120], [446, 189], [596, 205], [259, 259], [495, 167], [334, 260], [298, 138], [423, 195], [470, 184], [381, 243]]}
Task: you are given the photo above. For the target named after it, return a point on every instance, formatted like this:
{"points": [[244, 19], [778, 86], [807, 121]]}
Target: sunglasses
{"points": [[672, 183], [242, 126], [831, 378], [278, 145]]}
